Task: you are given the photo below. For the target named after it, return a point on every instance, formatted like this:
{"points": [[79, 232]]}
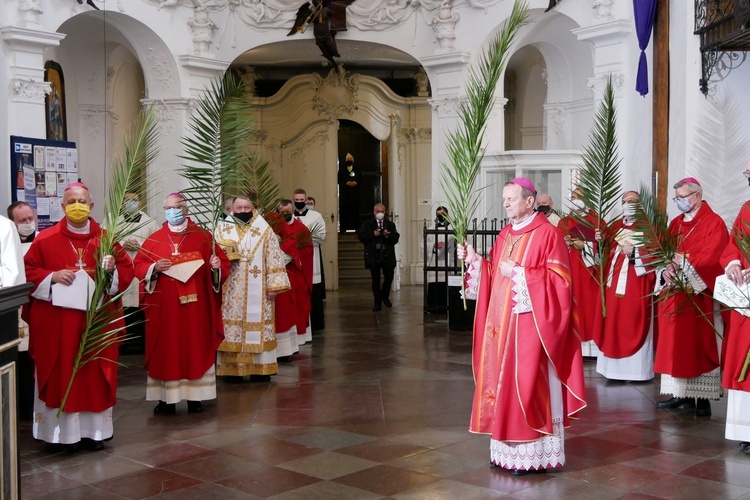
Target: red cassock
{"points": [[737, 338], [290, 305], [586, 315], [512, 352], [305, 251], [55, 332], [687, 344], [629, 314], [181, 338]]}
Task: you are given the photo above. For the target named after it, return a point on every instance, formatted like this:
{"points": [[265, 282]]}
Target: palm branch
{"points": [[465, 144], [599, 178], [257, 181], [105, 311], [218, 131], [660, 247]]}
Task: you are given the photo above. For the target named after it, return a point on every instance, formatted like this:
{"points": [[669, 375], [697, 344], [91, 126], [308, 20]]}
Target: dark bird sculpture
{"points": [[90, 2], [328, 17], [552, 3]]}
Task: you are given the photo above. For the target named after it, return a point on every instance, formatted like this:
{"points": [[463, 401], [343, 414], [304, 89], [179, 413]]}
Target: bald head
{"points": [[544, 199]]}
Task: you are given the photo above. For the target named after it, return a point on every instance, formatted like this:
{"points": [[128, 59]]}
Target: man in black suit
{"points": [[379, 236]]}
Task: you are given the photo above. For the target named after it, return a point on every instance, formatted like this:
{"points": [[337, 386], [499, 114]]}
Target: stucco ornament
{"points": [[28, 90], [444, 26], [28, 12], [202, 28], [336, 95]]}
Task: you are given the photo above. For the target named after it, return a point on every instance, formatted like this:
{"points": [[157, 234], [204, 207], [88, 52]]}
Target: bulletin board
{"points": [[39, 171]]}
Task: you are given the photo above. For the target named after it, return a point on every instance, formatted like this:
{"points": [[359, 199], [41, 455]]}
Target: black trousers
{"points": [[317, 318], [25, 384], [135, 327], [380, 292]]}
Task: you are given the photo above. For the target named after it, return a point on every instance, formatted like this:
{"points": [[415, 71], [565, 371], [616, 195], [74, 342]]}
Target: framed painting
{"points": [[54, 103]]}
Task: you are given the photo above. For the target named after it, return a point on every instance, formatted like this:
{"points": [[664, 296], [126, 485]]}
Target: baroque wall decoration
{"points": [[336, 95]]}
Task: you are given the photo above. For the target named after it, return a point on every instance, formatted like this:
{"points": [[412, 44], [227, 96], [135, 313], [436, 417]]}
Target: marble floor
{"points": [[377, 407]]}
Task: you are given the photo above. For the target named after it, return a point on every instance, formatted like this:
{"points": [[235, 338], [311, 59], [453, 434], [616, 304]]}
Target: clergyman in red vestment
{"points": [[737, 268], [687, 354], [183, 309], [53, 263], [626, 341], [528, 366], [586, 314]]}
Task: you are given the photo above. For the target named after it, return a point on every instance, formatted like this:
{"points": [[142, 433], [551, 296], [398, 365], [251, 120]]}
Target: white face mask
{"points": [[379, 216], [628, 210], [26, 229], [578, 204], [310, 207], [131, 207]]}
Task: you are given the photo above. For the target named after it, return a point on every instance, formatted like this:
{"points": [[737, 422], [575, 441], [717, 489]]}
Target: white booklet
{"points": [[729, 294], [77, 295]]}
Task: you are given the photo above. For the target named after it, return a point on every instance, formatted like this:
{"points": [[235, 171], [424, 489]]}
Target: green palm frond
{"points": [[105, 311], [218, 128], [465, 144], [257, 180], [599, 178]]}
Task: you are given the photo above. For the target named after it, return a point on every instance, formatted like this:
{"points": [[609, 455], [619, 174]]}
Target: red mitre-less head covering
{"points": [[76, 185]]}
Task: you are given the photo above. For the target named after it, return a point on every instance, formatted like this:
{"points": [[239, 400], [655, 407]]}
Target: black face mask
{"points": [[440, 220], [299, 205], [545, 209], [244, 216], [349, 163], [287, 217]]}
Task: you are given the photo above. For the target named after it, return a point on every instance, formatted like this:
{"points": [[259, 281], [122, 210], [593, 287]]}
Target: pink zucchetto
{"points": [[76, 185], [179, 196], [524, 183], [690, 180]]}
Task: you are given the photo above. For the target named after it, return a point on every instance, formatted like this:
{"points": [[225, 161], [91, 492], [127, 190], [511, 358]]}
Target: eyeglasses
{"points": [[683, 197]]}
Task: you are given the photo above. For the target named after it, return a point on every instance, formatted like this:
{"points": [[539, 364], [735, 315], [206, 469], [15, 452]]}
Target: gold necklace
{"points": [[513, 244]]}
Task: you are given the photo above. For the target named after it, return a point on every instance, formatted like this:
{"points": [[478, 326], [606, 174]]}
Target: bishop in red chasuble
{"points": [[528, 366]]}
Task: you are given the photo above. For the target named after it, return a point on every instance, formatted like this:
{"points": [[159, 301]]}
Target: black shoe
{"points": [[524, 472], [92, 444], [681, 403], [195, 407], [164, 408], [376, 308], [284, 359], [703, 408], [234, 379], [387, 302], [260, 378]]}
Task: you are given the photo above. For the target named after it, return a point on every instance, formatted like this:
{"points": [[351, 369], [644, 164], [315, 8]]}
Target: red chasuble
{"points": [[629, 314], [512, 352], [586, 316], [737, 338], [181, 335], [55, 332], [289, 310], [687, 344]]}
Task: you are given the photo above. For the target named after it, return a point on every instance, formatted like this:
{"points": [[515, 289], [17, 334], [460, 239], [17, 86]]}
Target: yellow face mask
{"points": [[77, 212]]}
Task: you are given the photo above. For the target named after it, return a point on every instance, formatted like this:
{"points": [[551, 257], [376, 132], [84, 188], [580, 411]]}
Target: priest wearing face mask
{"points": [[736, 264], [58, 257], [257, 276], [183, 309], [22, 215], [687, 354], [626, 341], [545, 205], [379, 237], [586, 320], [293, 306], [441, 249], [316, 225], [140, 226]]}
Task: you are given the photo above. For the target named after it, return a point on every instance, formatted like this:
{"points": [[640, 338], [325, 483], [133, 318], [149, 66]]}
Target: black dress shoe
{"points": [[681, 403], [284, 359], [260, 378], [92, 444], [703, 408], [195, 407], [165, 409], [387, 302], [524, 472], [376, 308]]}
